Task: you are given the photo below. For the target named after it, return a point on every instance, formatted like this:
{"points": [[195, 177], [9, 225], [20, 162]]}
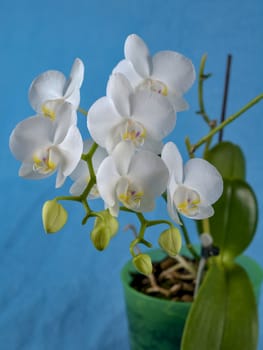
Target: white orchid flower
{"points": [[167, 72], [53, 86], [44, 145], [133, 178], [81, 174], [192, 188], [142, 117]]}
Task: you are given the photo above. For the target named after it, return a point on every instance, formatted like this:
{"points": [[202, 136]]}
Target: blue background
{"points": [[58, 292]]}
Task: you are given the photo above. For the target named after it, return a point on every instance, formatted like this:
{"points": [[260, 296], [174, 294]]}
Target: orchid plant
{"points": [[125, 162]]}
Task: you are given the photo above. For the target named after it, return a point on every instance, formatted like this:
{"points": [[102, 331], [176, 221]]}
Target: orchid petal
{"points": [[170, 203], [107, 178], [136, 51], [119, 90], [154, 112], [204, 213], [152, 145], [174, 69], [80, 171], [71, 149], [126, 68], [29, 135], [47, 86], [204, 178], [60, 179], [66, 116], [178, 102], [147, 203], [102, 118], [149, 172], [76, 76], [78, 186], [122, 155], [74, 98], [71, 93], [173, 160]]}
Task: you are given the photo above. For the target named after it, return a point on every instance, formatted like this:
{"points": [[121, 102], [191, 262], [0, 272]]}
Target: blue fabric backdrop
{"points": [[56, 291]]}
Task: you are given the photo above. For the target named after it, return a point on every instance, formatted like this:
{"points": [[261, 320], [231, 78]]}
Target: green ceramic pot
{"points": [[157, 324]]}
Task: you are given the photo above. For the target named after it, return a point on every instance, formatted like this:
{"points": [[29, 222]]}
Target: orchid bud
{"points": [[100, 235], [143, 263], [170, 240], [54, 216], [110, 221]]}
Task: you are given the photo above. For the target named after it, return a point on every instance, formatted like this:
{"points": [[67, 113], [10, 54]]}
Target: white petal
{"points": [[149, 172], [178, 102], [174, 69], [173, 160], [152, 145], [102, 118], [30, 135], [119, 90], [98, 157], [70, 149], [126, 68], [79, 186], [71, 93], [80, 171], [137, 52], [74, 98], [66, 116], [204, 178], [77, 73], [154, 112], [60, 179], [204, 213], [47, 86], [107, 178], [147, 203], [122, 155], [170, 203]]}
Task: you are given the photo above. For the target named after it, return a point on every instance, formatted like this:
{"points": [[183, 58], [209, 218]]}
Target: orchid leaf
{"points": [[234, 223], [229, 160], [216, 320]]}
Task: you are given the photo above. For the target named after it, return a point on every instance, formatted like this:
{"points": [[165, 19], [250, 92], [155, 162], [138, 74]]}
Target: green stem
{"points": [[201, 79], [226, 122], [188, 241]]}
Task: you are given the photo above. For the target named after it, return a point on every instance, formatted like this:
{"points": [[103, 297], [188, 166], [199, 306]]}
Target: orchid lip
{"points": [[43, 164], [134, 132], [187, 201], [154, 85], [129, 195]]}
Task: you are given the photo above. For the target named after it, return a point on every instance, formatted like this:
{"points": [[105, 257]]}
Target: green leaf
{"points": [[234, 223], [224, 314], [228, 159]]}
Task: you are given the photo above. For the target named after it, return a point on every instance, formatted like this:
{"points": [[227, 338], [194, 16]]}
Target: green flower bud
{"points": [[100, 235], [109, 221], [54, 216], [170, 240], [143, 263]]}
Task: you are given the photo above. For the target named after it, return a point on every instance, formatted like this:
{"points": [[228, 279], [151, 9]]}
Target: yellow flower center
{"points": [[187, 201], [134, 132], [42, 163], [129, 195], [48, 112]]}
